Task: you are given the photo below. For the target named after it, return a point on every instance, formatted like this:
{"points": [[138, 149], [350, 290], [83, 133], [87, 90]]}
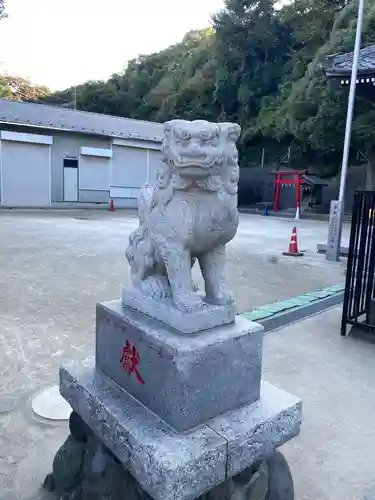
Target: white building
{"points": [[51, 155]]}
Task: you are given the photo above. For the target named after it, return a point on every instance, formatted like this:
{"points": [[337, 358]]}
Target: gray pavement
{"points": [[54, 267], [333, 458]]}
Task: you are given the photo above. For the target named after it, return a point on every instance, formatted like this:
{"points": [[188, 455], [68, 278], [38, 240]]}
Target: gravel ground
{"points": [[55, 266]]}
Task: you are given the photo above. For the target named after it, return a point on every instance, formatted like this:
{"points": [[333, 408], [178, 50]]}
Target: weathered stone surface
{"points": [[101, 476], [280, 480], [169, 465], [204, 318], [184, 380], [251, 484], [255, 431], [87, 470], [190, 214], [67, 464]]}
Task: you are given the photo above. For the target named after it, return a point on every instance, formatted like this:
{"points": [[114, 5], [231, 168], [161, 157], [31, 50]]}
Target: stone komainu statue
{"points": [[191, 213]]}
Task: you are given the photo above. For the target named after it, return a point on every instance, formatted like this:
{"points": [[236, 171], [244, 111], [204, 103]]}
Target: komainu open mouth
{"points": [[204, 162]]}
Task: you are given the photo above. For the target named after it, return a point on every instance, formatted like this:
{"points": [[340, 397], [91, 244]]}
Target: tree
{"points": [[252, 47], [5, 90], [186, 80], [21, 89], [3, 13], [317, 112], [259, 66], [311, 22], [176, 81], [313, 112]]}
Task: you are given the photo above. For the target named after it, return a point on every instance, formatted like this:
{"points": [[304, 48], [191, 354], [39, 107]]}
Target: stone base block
{"points": [[169, 465], [209, 316], [184, 380]]}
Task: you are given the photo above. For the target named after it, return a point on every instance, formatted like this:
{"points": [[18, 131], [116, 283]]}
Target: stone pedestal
{"points": [[173, 403], [185, 380], [182, 415], [170, 465]]}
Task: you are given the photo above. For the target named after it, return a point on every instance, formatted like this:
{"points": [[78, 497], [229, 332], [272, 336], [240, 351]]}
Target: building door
{"points": [[25, 170], [94, 172], [70, 180], [129, 173]]}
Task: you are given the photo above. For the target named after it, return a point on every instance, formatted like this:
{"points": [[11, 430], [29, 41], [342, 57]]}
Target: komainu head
{"points": [[199, 149]]}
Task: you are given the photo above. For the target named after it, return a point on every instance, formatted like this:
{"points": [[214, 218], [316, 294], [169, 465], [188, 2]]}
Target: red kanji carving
{"points": [[130, 359]]}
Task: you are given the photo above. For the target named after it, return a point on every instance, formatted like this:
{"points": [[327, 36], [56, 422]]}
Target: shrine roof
{"points": [[289, 171], [314, 180], [338, 65]]}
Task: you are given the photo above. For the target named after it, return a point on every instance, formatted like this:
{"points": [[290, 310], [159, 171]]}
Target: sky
{"points": [[60, 43]]}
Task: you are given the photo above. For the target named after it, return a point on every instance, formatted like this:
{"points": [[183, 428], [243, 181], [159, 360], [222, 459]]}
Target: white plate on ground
{"points": [[49, 404]]}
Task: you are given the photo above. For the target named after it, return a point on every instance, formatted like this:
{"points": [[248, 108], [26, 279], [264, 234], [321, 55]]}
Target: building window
{"points": [[71, 162]]}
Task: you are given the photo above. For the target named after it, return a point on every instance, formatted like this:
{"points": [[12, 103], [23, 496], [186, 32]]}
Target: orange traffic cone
{"points": [[111, 207], [293, 245]]}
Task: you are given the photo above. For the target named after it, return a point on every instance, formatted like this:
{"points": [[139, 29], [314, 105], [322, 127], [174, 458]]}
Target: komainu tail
{"points": [[139, 251], [145, 202]]}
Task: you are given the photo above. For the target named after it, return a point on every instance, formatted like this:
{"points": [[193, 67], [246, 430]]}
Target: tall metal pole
{"points": [[337, 207]]}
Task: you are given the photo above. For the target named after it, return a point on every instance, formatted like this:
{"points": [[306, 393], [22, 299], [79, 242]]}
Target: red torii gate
{"points": [[293, 177]]}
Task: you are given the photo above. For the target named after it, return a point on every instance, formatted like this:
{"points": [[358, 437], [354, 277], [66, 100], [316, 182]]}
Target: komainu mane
{"points": [[191, 213]]}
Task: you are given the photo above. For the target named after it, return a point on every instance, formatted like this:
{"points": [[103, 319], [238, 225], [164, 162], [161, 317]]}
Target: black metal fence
{"points": [[360, 285]]}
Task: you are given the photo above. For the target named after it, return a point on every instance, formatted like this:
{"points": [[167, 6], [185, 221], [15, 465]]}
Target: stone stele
{"points": [[189, 215]]}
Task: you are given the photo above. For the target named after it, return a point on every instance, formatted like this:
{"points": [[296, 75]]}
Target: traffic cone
{"points": [[111, 207], [293, 245]]}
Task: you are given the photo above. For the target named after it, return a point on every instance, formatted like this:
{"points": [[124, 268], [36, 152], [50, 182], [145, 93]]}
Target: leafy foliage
{"points": [[5, 90], [316, 111], [178, 81], [3, 13], [253, 45], [21, 89], [259, 65]]}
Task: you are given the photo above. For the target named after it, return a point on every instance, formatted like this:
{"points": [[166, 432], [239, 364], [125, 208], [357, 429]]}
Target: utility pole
{"points": [[75, 97], [337, 206]]}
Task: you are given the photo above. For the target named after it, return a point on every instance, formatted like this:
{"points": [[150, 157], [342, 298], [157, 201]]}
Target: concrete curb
{"points": [[280, 314], [290, 215], [322, 248]]}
